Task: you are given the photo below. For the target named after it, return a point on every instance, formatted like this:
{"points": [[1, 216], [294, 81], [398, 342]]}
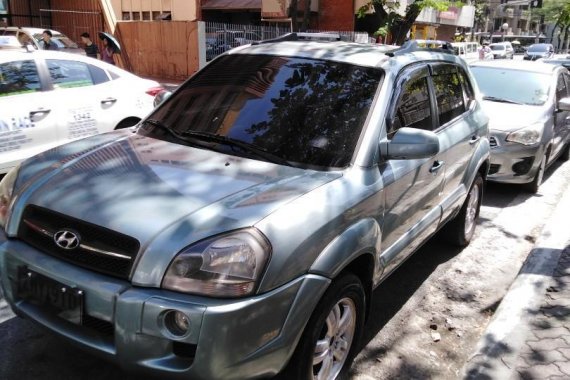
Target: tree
{"points": [[556, 12], [385, 15]]}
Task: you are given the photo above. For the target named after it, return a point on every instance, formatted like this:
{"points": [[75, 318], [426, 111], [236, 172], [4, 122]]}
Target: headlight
{"points": [[528, 135], [225, 266], [6, 190]]}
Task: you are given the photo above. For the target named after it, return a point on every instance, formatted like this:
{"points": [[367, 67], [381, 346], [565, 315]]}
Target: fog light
{"points": [[177, 323], [523, 166]]}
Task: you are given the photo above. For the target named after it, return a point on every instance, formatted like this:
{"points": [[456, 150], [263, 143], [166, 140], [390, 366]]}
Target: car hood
{"points": [[141, 186], [510, 117]]}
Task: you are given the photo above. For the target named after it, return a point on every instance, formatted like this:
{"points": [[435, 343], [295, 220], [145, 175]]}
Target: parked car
{"points": [[224, 40], [502, 50], [469, 51], [563, 60], [528, 104], [538, 51], [49, 98], [241, 230], [33, 37]]}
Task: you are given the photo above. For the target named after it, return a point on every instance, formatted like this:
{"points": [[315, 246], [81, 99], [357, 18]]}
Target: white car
{"points": [[48, 98], [33, 37]]}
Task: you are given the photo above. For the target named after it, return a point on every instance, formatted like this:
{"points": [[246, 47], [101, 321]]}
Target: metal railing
{"points": [[221, 37]]}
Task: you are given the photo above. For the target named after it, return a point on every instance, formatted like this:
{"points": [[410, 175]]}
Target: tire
{"points": [[459, 231], [337, 343], [533, 186], [565, 155], [127, 123]]}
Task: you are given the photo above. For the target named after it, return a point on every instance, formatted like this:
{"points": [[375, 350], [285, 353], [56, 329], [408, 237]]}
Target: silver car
{"points": [[528, 105], [239, 232]]}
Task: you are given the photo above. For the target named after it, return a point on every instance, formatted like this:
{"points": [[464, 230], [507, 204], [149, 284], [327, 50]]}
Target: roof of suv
{"points": [[348, 52]]}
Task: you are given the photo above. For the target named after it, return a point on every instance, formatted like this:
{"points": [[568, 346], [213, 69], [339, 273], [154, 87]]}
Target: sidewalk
{"points": [[529, 335]]}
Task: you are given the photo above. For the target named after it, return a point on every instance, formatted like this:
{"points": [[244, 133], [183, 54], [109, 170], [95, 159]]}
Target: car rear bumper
{"points": [[228, 338]]}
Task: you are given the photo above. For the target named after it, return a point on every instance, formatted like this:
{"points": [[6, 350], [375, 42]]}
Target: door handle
{"points": [[474, 139], [108, 101], [39, 112], [436, 166]]}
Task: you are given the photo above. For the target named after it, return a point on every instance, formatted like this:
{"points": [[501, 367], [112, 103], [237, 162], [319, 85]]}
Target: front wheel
{"points": [[460, 229], [332, 335], [533, 186]]}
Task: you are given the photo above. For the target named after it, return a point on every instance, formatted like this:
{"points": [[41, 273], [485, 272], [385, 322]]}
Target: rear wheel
{"points": [[331, 337], [460, 229]]}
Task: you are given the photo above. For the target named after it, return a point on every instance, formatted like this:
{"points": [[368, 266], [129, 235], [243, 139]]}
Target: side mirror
{"points": [[563, 104], [410, 144], [161, 97]]}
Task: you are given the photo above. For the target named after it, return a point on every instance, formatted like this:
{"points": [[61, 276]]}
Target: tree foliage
{"points": [[387, 18], [557, 12]]}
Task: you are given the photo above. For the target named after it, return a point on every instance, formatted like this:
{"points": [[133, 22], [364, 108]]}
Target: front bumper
{"points": [[514, 163], [228, 339]]}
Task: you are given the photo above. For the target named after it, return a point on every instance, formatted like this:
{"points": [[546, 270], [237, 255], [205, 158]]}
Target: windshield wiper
{"points": [[500, 100], [244, 146], [159, 124]]}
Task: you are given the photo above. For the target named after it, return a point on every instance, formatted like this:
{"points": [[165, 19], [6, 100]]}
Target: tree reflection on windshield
{"points": [[305, 111]]}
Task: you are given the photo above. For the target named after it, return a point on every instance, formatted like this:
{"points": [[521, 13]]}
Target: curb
{"points": [[498, 350]]}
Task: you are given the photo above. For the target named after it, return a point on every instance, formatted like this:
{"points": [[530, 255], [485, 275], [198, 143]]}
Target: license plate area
{"points": [[52, 296]]}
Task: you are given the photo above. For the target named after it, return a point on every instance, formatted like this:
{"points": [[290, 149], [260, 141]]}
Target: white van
{"points": [[469, 51]]}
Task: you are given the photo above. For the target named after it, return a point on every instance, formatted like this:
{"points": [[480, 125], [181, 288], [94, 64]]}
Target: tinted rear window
{"points": [[306, 111]]}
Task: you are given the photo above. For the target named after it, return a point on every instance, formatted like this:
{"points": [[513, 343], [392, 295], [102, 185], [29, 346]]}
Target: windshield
{"points": [[537, 48], [497, 47], [304, 111], [518, 86]]}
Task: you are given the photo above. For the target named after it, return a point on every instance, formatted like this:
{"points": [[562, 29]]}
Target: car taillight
{"points": [[153, 91]]}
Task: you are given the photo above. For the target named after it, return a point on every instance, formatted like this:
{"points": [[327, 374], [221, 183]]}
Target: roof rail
{"points": [[423, 45], [302, 37]]}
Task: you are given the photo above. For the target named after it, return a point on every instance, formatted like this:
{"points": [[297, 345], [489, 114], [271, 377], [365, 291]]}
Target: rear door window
{"points": [[449, 94], [69, 74]]}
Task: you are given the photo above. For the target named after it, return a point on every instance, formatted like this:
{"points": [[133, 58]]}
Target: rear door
{"points": [[412, 187], [457, 128], [28, 115]]}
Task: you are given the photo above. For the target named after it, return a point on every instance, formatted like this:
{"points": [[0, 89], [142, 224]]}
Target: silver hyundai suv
{"points": [[239, 231]]}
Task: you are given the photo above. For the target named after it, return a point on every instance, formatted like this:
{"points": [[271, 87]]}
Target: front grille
{"points": [[98, 325], [101, 250], [493, 142]]}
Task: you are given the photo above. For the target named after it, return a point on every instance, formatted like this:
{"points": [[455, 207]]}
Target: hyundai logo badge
{"points": [[66, 239]]}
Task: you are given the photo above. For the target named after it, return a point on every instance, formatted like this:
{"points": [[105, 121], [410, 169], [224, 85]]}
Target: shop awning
{"points": [[232, 5]]}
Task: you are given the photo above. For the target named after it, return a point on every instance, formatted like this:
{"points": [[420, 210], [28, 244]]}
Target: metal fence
{"points": [[221, 37]]}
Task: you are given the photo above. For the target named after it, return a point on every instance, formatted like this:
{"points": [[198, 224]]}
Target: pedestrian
{"points": [[107, 52], [484, 51], [91, 49], [48, 43]]}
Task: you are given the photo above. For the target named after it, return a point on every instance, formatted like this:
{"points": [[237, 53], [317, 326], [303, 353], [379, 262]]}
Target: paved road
{"points": [[440, 290]]}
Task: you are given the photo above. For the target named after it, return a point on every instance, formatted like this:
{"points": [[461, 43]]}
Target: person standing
{"points": [[91, 49], [48, 43], [107, 52]]}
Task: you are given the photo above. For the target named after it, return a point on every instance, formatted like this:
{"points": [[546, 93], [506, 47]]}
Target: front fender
{"points": [[479, 159], [363, 237]]}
